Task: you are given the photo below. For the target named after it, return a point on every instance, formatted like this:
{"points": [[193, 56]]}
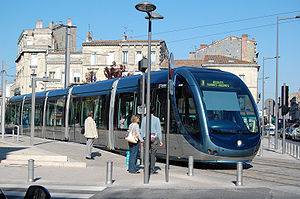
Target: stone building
{"points": [[98, 54], [294, 113], [36, 49], [247, 71], [235, 47], [41, 52]]}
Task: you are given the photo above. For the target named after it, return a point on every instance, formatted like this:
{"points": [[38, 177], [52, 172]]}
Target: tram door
{"points": [[161, 112], [123, 113]]}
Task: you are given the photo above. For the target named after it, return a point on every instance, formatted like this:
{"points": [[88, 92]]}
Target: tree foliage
{"points": [[113, 71]]}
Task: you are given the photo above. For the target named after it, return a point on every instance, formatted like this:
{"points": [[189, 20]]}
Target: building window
{"points": [[125, 57], [52, 74], [242, 77], [110, 58], [138, 56], [76, 76], [153, 57], [33, 61], [29, 42], [93, 59]]}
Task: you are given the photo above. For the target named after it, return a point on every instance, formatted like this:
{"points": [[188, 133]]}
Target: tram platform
{"points": [[273, 173]]}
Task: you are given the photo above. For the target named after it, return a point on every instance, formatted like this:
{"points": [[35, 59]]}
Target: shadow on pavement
{"points": [[4, 151]]}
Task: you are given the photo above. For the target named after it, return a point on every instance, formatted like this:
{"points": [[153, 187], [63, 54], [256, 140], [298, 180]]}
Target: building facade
{"points": [[294, 113], [247, 71], [98, 54], [41, 52], [35, 48], [234, 47]]}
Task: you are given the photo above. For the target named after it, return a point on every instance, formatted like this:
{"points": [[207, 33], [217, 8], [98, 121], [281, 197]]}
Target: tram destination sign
{"points": [[215, 84]]}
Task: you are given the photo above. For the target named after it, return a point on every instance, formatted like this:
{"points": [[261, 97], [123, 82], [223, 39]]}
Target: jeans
{"points": [[134, 152]]}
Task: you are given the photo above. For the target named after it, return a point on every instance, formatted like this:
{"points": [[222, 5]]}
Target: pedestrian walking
{"points": [[134, 147], [156, 137], [90, 132]]}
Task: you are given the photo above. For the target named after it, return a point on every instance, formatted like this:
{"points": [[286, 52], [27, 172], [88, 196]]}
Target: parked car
{"points": [[271, 128], [288, 132], [296, 134]]}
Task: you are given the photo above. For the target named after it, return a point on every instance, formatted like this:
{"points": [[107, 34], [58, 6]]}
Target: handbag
{"points": [[130, 138]]}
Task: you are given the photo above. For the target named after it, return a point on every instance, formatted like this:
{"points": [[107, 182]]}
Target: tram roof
{"points": [[96, 87], [58, 92], [104, 87]]}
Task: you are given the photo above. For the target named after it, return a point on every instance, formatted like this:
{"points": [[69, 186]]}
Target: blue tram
{"points": [[213, 115]]}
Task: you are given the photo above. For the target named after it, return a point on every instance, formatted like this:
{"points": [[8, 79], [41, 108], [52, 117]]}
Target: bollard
{"points": [[239, 174], [18, 132], [109, 167], [13, 135], [30, 170], [191, 166]]}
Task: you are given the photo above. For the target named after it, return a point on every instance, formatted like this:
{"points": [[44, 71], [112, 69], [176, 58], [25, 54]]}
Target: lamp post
{"points": [[276, 90], [263, 99], [148, 8]]}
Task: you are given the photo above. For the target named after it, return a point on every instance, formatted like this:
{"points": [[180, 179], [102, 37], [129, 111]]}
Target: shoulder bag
{"points": [[130, 138]]}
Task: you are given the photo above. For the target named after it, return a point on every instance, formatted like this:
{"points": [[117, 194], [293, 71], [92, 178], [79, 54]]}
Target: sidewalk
{"points": [[264, 172]]}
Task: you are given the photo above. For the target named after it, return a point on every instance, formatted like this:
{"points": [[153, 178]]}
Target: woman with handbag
{"points": [[134, 147]]}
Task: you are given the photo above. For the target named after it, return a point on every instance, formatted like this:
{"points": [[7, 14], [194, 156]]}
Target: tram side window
{"points": [[125, 110], [26, 115], [90, 103], [75, 112], [55, 112], [161, 106], [38, 113], [9, 114], [12, 115], [102, 110], [186, 107]]}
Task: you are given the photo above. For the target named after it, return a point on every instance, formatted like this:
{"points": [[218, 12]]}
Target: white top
{"points": [[90, 130]]}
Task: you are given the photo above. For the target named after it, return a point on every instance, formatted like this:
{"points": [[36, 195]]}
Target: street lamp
{"points": [[276, 90], [263, 98], [148, 8]]}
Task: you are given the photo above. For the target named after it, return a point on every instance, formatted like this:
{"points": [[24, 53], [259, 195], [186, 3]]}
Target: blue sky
{"points": [[185, 26]]}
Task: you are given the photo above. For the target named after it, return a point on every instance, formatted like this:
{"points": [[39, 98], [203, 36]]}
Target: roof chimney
{"points": [[244, 47], [39, 24], [51, 25], [124, 37], [203, 46], [89, 37], [69, 23]]}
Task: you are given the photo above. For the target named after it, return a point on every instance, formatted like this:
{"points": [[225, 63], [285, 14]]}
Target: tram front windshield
{"points": [[228, 106]]}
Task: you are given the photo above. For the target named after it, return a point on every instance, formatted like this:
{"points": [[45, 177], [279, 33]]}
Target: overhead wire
{"points": [[220, 33], [220, 23]]}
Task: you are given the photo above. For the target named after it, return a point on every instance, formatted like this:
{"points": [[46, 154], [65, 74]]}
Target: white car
{"points": [[271, 128], [296, 134]]}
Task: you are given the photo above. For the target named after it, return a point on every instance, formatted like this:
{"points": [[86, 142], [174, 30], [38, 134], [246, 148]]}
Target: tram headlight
{"points": [[239, 143]]}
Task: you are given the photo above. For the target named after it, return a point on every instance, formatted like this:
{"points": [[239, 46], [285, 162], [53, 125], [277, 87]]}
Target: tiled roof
{"points": [[220, 59], [209, 59], [116, 42], [188, 62]]}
